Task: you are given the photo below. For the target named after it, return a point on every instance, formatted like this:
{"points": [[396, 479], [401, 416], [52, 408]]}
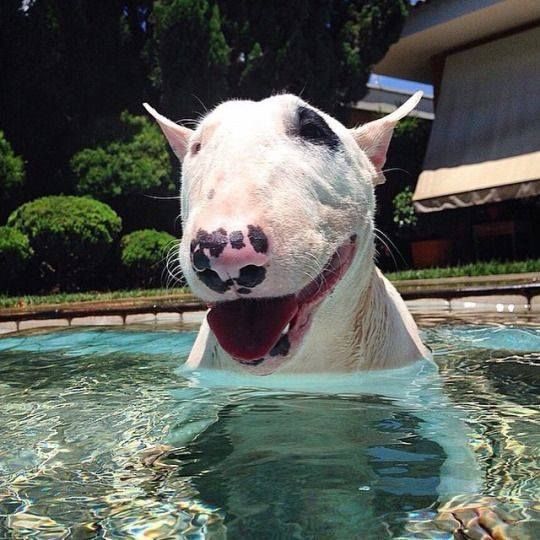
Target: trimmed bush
{"points": [[144, 256], [124, 168], [71, 237], [11, 168], [15, 255], [12, 178]]}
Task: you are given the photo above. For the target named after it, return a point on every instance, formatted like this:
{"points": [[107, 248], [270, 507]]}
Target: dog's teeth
{"points": [[286, 329]]}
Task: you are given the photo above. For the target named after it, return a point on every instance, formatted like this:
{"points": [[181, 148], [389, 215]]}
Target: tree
{"points": [[191, 55], [322, 50], [395, 215], [66, 67]]}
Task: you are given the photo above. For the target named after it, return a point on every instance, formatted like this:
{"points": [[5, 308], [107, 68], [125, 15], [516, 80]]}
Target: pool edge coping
{"points": [[447, 295]]}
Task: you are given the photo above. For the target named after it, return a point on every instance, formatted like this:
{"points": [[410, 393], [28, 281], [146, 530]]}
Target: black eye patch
{"points": [[312, 127]]}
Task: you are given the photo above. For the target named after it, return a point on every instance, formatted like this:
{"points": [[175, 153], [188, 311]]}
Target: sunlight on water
{"points": [[367, 455]]}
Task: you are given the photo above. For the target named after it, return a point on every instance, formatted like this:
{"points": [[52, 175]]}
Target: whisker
{"points": [[389, 244], [393, 169], [176, 197]]}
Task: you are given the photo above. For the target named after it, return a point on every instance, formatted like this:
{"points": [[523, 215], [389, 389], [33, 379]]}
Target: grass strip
{"points": [[490, 268], [474, 269], [91, 296]]}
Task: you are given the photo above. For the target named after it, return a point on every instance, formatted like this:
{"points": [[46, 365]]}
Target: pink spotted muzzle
{"points": [[235, 260]]}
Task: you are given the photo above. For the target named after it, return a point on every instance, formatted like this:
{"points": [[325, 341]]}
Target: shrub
{"points": [[126, 167], [70, 236], [404, 215], [11, 168], [144, 256], [15, 255], [12, 177]]}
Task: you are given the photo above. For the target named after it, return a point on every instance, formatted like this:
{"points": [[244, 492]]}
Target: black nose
{"points": [[251, 275]]}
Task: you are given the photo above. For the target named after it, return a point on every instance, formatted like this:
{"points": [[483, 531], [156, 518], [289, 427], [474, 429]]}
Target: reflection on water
{"points": [[359, 456]]}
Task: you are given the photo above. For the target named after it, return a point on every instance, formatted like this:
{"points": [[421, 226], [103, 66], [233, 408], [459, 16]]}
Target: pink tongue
{"points": [[248, 329]]}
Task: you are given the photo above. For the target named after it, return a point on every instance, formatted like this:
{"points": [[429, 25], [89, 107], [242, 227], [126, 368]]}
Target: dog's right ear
{"points": [[374, 137], [178, 136]]}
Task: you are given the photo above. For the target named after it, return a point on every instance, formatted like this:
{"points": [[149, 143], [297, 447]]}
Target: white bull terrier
{"points": [[278, 218]]}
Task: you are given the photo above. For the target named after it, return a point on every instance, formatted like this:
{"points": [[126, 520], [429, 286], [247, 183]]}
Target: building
{"points": [[478, 195], [380, 100]]}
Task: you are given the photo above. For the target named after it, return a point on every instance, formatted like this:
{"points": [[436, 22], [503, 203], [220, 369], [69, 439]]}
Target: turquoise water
{"points": [[368, 455]]}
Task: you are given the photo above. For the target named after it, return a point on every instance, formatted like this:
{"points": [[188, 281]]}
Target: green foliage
{"points": [[489, 268], [69, 69], [395, 214], [122, 168], [15, 255], [11, 169], [70, 236], [404, 215], [253, 48], [408, 146], [65, 65], [144, 255], [367, 29], [190, 54]]}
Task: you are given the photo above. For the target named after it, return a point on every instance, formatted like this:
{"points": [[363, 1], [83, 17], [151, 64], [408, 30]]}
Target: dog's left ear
{"points": [[374, 137], [177, 135]]}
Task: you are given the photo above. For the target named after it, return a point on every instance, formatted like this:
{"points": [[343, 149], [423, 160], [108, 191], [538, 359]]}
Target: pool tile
{"points": [[535, 303], [42, 323], [168, 317], [7, 327], [193, 317], [104, 320], [423, 305], [141, 318], [509, 303]]}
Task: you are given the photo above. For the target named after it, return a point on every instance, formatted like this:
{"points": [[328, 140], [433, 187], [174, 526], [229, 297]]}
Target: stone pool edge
{"points": [[510, 294]]}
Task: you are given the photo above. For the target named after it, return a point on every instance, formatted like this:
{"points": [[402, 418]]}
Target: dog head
{"points": [[277, 200]]}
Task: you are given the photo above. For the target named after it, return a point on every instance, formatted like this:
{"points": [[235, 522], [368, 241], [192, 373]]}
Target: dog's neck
{"points": [[363, 324]]}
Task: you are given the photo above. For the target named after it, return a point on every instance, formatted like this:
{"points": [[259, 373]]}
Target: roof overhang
{"points": [[440, 26], [383, 100]]}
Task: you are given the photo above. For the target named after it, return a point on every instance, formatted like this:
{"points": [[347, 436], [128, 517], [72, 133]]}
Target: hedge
{"points": [[71, 237], [143, 255], [15, 256], [11, 168]]}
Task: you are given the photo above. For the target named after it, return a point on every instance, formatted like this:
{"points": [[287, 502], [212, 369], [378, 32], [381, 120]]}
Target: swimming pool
{"points": [[356, 456]]}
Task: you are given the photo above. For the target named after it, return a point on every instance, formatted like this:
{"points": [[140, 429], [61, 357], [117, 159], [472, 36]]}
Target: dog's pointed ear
{"points": [[178, 136], [374, 137]]}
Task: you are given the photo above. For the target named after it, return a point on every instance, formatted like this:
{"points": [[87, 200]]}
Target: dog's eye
{"points": [[311, 131], [195, 148], [312, 127]]}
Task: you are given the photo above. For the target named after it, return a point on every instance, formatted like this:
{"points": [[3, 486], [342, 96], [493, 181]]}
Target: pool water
{"points": [[367, 455]]}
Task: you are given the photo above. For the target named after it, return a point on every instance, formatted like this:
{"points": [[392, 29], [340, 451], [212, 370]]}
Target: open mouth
{"points": [[264, 331]]}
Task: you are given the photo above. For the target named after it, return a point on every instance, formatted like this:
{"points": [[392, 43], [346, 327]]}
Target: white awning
{"points": [[485, 141]]}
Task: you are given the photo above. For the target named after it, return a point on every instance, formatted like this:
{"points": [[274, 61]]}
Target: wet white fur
{"points": [[308, 200]]}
